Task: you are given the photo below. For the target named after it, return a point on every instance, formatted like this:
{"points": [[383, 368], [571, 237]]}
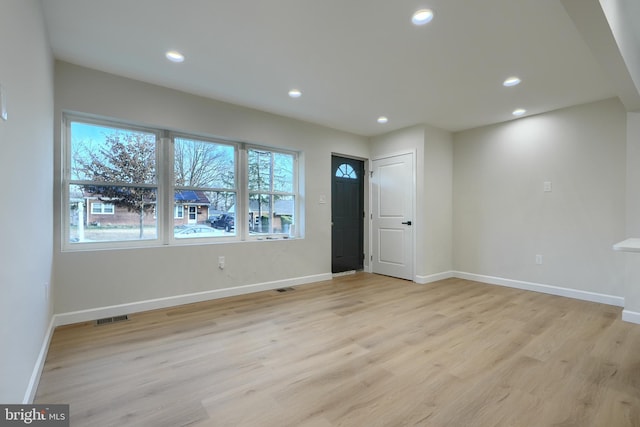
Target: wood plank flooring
{"points": [[360, 350]]}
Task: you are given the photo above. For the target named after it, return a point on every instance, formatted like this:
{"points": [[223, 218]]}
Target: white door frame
{"points": [[413, 207]]}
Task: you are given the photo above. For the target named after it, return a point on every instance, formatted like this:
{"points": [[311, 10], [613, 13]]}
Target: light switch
{"points": [[323, 199], [3, 104], [547, 186]]}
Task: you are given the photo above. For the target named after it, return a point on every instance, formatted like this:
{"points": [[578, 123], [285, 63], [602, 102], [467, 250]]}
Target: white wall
{"points": [[438, 203], [434, 164], [632, 284], [102, 278], [26, 74], [502, 218]]}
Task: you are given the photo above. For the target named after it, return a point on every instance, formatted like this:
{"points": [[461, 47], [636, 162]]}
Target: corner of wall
{"points": [[27, 239]]}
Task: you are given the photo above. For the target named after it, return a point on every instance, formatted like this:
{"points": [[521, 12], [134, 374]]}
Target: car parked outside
{"points": [[224, 221]]}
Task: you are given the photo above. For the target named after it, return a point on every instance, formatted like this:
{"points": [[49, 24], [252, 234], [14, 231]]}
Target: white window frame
{"points": [[271, 193], [172, 136], [166, 208], [67, 182]]}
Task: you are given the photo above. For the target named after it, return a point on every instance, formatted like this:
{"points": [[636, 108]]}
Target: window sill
{"points": [[96, 247]]}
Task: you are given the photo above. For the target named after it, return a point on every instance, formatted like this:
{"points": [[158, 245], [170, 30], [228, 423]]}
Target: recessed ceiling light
{"points": [[422, 16], [511, 81], [519, 111], [295, 93], [174, 56], [382, 119]]}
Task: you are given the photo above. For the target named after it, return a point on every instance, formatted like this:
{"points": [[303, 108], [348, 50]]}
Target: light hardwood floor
{"points": [[361, 350]]}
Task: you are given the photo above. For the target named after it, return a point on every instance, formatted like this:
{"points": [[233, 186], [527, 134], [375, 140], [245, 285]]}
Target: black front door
{"points": [[347, 211]]}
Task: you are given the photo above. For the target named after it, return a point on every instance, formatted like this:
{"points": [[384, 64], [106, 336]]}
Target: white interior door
{"points": [[392, 195]]}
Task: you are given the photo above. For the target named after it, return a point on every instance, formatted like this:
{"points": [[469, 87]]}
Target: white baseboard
{"points": [[30, 394], [135, 307], [631, 316], [547, 289], [423, 280]]}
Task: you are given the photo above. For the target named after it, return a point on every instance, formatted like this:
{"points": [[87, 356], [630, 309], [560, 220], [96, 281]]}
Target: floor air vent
{"points": [[285, 289], [114, 319]]}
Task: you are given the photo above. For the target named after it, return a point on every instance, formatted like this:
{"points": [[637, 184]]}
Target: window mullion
{"points": [[272, 199], [242, 192], [113, 184], [165, 178]]}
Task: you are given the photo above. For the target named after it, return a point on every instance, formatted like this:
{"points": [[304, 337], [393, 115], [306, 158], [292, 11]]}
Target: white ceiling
{"points": [[354, 60]]}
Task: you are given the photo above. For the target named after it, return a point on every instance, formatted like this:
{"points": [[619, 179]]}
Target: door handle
{"points": [[407, 223]]}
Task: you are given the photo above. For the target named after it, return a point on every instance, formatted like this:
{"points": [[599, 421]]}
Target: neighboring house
{"points": [[191, 207], [281, 217]]}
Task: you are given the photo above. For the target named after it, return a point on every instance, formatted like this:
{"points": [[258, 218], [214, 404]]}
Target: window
{"points": [[98, 208], [204, 177], [129, 186], [112, 169], [346, 171], [272, 189]]}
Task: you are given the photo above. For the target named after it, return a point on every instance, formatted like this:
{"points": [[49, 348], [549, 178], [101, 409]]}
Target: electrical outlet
{"points": [[221, 262], [539, 259]]}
